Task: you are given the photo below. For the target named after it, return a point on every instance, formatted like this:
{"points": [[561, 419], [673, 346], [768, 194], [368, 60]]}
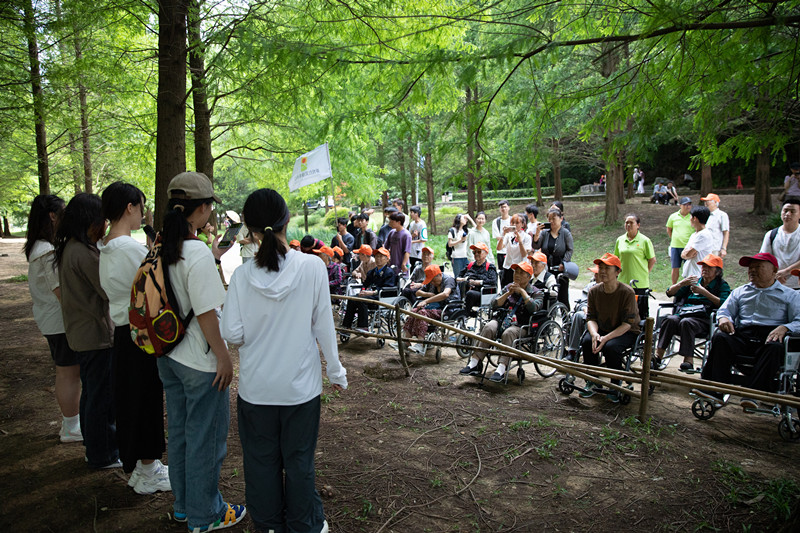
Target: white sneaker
{"points": [[70, 434], [417, 348], [324, 527], [157, 481], [134, 479]]}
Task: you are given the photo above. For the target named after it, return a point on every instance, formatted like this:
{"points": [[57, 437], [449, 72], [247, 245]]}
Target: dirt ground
{"points": [[430, 453]]}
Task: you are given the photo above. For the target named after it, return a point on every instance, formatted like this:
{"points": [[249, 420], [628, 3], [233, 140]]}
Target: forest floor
{"points": [[431, 452]]}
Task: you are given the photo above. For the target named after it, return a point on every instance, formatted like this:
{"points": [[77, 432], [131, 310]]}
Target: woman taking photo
{"points": [[457, 240], [556, 244], [197, 372], [278, 309], [695, 301], [88, 326], [516, 244], [636, 253], [45, 293], [138, 393]]}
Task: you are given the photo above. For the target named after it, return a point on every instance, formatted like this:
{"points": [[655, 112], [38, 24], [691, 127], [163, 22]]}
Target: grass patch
{"points": [[22, 278]]}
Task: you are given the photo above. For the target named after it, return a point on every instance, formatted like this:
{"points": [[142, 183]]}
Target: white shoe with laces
{"points": [[158, 480], [70, 432]]}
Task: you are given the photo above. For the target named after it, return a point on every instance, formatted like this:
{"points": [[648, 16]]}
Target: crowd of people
{"points": [[83, 260]]}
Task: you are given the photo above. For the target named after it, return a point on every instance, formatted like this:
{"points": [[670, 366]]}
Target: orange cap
{"points": [[339, 251], [610, 260], [711, 260], [527, 267], [294, 242], [428, 249], [365, 249], [431, 271], [710, 196], [382, 251], [480, 246], [327, 250], [593, 269], [538, 256]]}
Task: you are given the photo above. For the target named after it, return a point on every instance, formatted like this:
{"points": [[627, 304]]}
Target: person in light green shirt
{"points": [[638, 257], [679, 229]]}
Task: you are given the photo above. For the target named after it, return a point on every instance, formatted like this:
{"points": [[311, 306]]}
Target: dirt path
{"points": [[433, 452]]}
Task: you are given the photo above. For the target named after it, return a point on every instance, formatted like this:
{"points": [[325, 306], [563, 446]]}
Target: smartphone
{"points": [[230, 235], [546, 225]]}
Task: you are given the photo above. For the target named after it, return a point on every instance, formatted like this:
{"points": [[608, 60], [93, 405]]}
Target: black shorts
{"points": [[60, 351]]}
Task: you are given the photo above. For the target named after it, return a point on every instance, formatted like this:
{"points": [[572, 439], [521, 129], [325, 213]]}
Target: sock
{"points": [[146, 469], [473, 362], [72, 423], [501, 369]]}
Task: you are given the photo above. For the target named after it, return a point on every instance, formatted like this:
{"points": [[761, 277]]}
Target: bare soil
{"points": [[432, 452]]}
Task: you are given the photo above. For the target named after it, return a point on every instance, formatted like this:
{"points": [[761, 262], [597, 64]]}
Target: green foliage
{"points": [[329, 218], [772, 221], [570, 186], [773, 497]]}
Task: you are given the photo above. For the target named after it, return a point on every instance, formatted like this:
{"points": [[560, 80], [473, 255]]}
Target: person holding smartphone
{"points": [[516, 245]]}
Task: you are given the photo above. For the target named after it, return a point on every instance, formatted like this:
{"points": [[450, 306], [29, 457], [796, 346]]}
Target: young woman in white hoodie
{"points": [[278, 308], [138, 393]]}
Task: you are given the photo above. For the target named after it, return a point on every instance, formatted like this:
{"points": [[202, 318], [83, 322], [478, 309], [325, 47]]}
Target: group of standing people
{"points": [[82, 262]]}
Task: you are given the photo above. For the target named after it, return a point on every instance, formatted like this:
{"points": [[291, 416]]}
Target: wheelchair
{"points": [[453, 314], [701, 346], [786, 382], [543, 335], [567, 386], [474, 324], [381, 319]]}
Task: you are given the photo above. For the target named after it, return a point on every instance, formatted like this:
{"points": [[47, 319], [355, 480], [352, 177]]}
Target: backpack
{"points": [[155, 322], [449, 249]]}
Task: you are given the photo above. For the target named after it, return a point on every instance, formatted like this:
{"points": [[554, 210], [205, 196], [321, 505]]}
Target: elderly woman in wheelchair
{"points": [[518, 301], [695, 300]]}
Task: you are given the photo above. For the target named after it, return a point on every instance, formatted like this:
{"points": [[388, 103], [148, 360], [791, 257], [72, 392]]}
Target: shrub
{"points": [[773, 221], [570, 186], [332, 214]]}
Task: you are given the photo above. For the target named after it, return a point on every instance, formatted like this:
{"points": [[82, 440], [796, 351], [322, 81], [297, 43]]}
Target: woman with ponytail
{"points": [[88, 326], [46, 294], [138, 394], [278, 308], [197, 372]]}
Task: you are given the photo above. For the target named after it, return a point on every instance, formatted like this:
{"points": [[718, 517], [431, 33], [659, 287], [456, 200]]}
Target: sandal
{"points": [[685, 367]]}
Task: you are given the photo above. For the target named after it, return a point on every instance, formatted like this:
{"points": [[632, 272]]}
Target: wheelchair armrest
{"points": [[489, 289], [388, 292]]}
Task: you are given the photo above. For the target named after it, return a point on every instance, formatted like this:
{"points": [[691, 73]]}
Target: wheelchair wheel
{"points": [[344, 337], [549, 342], [520, 375], [703, 409], [624, 399], [464, 349], [565, 386], [789, 434], [403, 303], [380, 342]]}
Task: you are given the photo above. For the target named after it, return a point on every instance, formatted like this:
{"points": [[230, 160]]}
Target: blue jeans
{"points": [[459, 264], [198, 416], [278, 446], [97, 408]]}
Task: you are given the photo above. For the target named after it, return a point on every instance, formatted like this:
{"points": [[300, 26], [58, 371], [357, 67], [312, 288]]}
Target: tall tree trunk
{"points": [[429, 181], [558, 193], [6, 227], [539, 199], [630, 193], [171, 99], [42, 162], [413, 165], [706, 185], [404, 185], [479, 192], [88, 179], [72, 142], [470, 173], [612, 191], [762, 199], [203, 158]]}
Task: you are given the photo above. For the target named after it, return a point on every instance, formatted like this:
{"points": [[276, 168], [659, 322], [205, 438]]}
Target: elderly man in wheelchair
{"points": [[752, 324], [518, 301]]}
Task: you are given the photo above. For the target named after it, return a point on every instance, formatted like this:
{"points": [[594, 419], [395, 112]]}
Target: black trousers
{"points": [[688, 328], [744, 345], [97, 407], [612, 351]]}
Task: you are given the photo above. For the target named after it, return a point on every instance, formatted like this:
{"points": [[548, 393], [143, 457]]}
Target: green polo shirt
{"points": [[681, 229], [634, 254]]}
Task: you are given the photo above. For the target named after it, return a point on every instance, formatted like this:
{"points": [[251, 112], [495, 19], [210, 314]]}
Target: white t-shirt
{"points": [[42, 281], [119, 261], [498, 225], [246, 250], [513, 255], [460, 249], [421, 228], [717, 223], [703, 242], [278, 318], [195, 281], [786, 249]]}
